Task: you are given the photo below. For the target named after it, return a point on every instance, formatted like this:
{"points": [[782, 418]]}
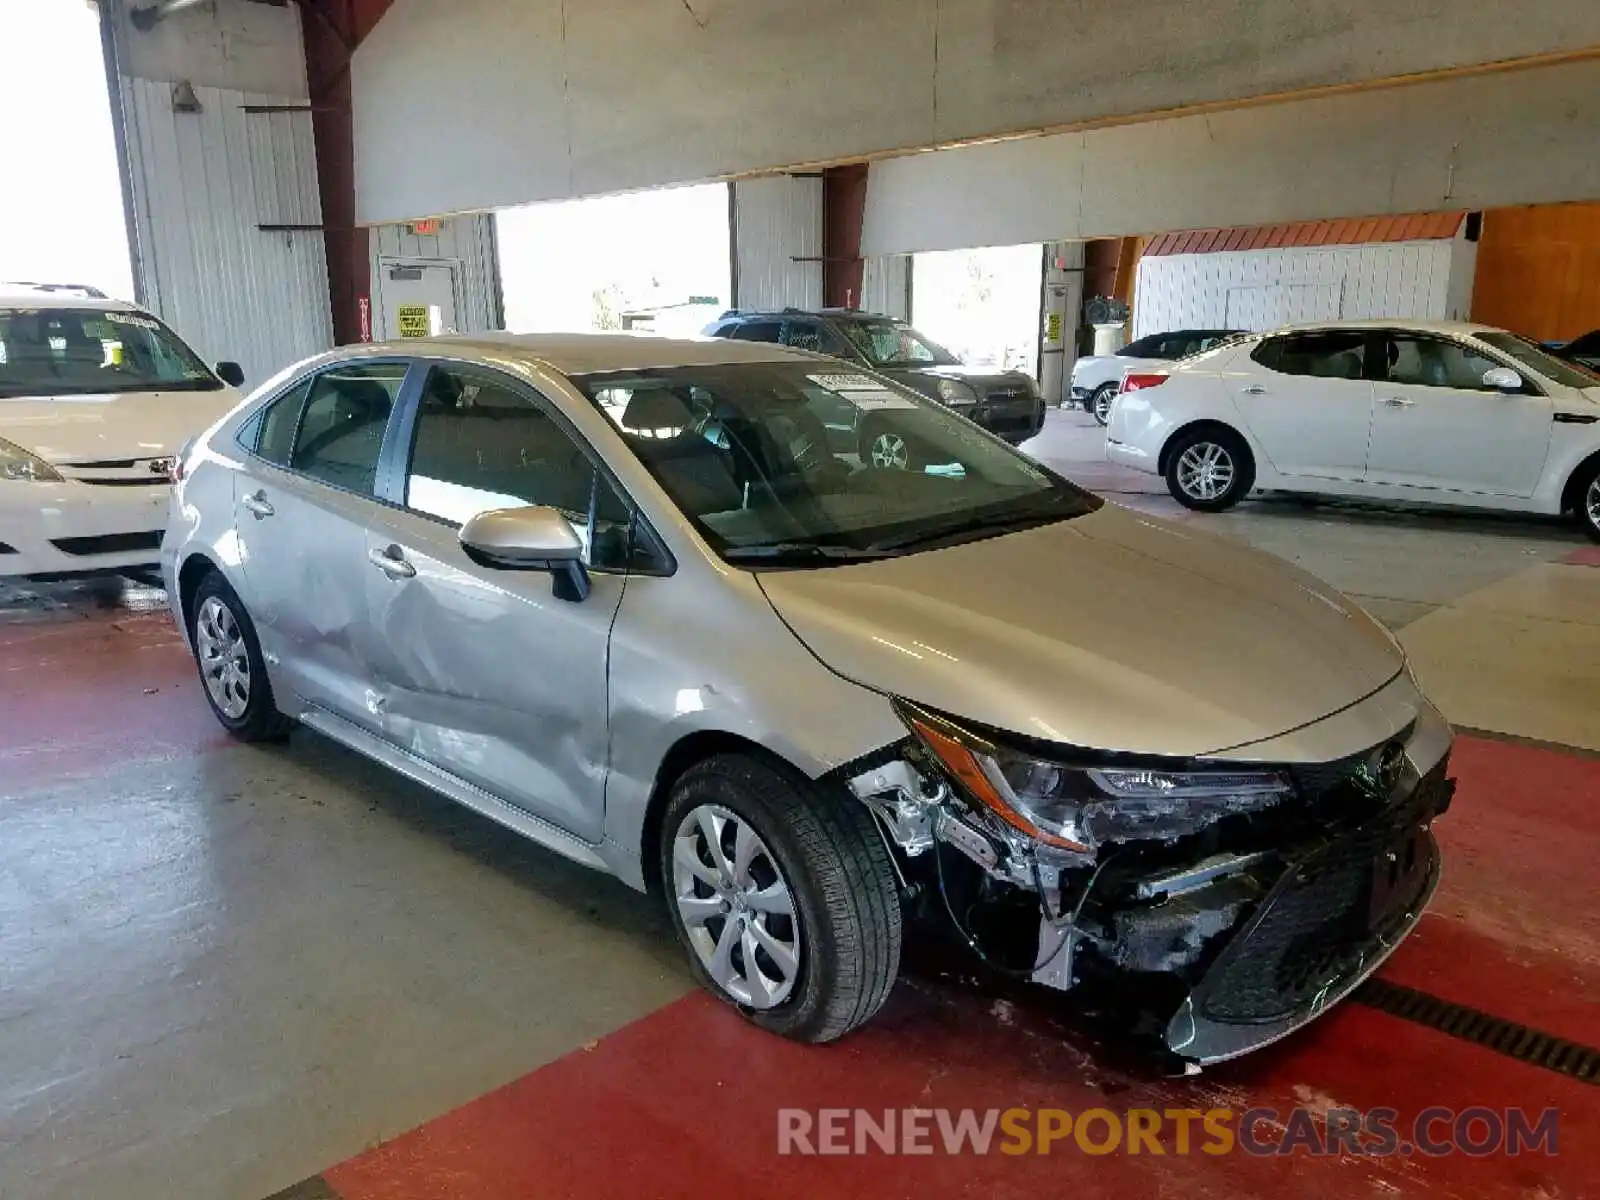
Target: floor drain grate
{"points": [[1493, 1033]]}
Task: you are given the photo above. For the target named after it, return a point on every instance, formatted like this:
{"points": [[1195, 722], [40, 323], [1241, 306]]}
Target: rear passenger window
{"points": [[758, 331], [275, 426], [1331, 355], [341, 433], [482, 444]]}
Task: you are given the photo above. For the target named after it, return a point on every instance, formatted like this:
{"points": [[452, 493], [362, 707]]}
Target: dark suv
{"points": [[1006, 403]]}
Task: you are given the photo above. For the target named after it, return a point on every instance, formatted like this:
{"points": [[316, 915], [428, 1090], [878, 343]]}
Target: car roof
{"points": [[587, 353], [835, 314], [1443, 328], [58, 295]]}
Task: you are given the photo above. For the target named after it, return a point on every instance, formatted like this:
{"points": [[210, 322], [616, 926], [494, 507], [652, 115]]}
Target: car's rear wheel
{"points": [[783, 895], [1100, 402], [228, 656], [1589, 501], [1210, 469]]}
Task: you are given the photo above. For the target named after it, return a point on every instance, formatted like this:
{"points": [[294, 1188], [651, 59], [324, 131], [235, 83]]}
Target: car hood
{"points": [[977, 376], [118, 425], [1113, 631]]}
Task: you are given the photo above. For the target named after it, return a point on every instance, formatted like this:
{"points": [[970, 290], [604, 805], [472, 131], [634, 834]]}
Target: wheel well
{"points": [[195, 568], [1196, 427], [1569, 493], [684, 754]]}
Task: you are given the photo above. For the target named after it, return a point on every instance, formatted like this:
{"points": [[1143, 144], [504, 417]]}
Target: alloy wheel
{"points": [[1205, 471], [224, 658], [736, 907], [890, 450], [1103, 400], [1592, 502]]}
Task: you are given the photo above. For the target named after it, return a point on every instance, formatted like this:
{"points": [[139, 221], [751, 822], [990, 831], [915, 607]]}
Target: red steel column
{"points": [[844, 207]]}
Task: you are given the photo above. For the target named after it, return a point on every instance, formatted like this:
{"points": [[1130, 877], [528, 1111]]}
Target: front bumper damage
{"points": [[1222, 938]]}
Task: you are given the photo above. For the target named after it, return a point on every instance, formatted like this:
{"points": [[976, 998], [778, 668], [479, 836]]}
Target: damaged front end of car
{"points": [[1222, 904]]}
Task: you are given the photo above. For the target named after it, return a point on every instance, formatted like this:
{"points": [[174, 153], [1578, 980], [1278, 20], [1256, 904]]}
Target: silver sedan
{"points": [[643, 602]]}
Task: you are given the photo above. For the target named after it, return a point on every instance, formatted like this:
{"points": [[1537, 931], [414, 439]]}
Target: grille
{"points": [[109, 543], [1324, 917]]}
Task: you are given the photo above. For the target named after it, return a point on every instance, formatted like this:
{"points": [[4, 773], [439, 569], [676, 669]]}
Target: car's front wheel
{"points": [[784, 896], [1100, 402], [228, 655], [1589, 501], [1210, 469]]}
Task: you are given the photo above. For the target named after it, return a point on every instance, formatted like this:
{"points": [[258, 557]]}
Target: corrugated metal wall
{"points": [[777, 220], [202, 183], [1260, 289], [467, 243], [886, 285]]}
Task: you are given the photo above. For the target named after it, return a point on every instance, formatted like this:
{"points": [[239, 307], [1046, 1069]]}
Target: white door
{"points": [[415, 298], [1436, 424], [1308, 403]]}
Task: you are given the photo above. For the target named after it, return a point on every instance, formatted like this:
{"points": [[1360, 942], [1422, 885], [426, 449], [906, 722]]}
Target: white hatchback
{"points": [[97, 398], [1430, 412]]}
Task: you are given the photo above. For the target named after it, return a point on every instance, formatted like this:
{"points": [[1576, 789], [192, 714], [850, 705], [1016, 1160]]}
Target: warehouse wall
{"points": [[777, 242], [467, 243], [1539, 270], [200, 184], [510, 101], [1263, 289], [1478, 142]]}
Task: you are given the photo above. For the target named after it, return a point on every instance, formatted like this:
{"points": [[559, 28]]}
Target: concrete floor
{"points": [[225, 969]]}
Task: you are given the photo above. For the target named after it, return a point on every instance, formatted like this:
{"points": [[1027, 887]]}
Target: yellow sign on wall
{"points": [[413, 320], [1052, 327]]}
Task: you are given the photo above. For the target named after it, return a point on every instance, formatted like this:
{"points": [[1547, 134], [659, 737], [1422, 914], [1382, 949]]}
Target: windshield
{"points": [[799, 460], [66, 351], [1568, 374], [891, 344]]}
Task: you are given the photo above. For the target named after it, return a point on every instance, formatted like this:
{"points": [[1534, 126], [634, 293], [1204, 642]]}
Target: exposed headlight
{"points": [[956, 394], [1080, 806], [18, 464]]}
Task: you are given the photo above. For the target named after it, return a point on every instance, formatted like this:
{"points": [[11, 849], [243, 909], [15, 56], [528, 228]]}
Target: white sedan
{"points": [[96, 399], [1096, 377], [1432, 412]]}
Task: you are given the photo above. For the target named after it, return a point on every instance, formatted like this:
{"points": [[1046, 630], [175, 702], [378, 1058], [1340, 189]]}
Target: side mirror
{"points": [[1502, 379], [231, 373], [535, 538]]}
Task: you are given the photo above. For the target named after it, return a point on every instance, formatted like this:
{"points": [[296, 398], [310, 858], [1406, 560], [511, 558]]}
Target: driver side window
{"points": [[482, 443], [1435, 362]]}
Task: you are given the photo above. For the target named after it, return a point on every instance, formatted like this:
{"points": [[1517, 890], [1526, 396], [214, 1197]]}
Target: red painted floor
{"points": [[1589, 556], [685, 1102]]}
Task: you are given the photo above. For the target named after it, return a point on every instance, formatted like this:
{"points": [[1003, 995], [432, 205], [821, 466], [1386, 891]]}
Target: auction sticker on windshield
{"points": [[862, 391]]}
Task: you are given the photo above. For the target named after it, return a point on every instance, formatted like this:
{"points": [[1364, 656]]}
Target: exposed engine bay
{"points": [[1224, 904]]}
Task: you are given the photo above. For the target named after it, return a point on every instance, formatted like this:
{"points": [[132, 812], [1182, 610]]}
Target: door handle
{"points": [[1254, 389], [259, 505], [1398, 402], [392, 562]]}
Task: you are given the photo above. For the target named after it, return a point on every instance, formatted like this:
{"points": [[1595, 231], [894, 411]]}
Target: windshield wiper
{"points": [[803, 551], [990, 526]]}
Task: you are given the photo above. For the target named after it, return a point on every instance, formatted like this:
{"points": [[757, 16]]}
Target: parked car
{"points": [[1096, 377], [618, 594], [1006, 403], [1434, 412], [96, 397], [1584, 350]]}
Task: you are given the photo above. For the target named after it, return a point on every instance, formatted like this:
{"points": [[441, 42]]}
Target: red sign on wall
{"points": [[364, 308]]}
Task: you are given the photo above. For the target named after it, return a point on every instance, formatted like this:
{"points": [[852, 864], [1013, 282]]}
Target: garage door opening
{"points": [[65, 222], [982, 304], [655, 261]]}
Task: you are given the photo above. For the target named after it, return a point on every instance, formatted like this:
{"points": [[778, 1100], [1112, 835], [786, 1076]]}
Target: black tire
{"points": [[832, 858], [1230, 452], [260, 721], [908, 456], [1099, 402], [1587, 492]]}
